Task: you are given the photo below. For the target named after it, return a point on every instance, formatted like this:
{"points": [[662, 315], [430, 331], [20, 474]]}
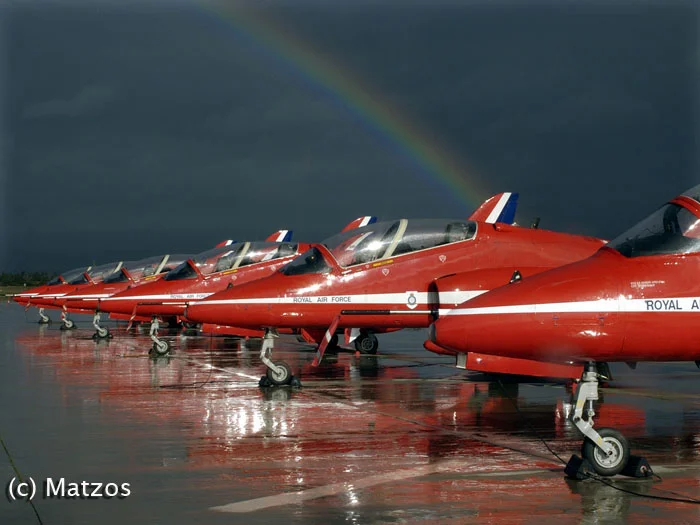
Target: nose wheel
{"points": [[66, 323], [102, 333], [160, 348], [607, 463], [607, 450], [280, 375]]}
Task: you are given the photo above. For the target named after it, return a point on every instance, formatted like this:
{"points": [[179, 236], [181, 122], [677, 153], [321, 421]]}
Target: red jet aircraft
{"points": [[636, 299], [130, 275], [50, 295], [76, 282], [25, 298], [205, 274], [387, 276]]}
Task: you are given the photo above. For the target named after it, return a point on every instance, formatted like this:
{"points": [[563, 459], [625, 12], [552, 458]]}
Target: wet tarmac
{"points": [[402, 437]]}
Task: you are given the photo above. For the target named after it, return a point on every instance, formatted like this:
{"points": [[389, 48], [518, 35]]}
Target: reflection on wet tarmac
{"points": [[402, 437]]}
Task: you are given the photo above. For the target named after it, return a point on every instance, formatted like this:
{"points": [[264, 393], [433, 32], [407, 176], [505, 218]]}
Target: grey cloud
{"points": [[88, 101], [587, 113]]}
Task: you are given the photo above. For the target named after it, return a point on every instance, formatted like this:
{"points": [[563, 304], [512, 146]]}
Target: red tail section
{"points": [[360, 222], [227, 242], [280, 236], [499, 208]]}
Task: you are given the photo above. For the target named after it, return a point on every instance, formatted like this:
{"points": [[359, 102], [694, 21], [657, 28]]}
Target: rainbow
{"points": [[350, 93]]}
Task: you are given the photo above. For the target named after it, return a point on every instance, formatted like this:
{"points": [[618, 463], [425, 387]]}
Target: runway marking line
{"points": [[292, 498], [295, 498]]}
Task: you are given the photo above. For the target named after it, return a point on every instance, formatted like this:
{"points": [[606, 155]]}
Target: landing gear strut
{"points": [[43, 318], [607, 450], [100, 332], [279, 373], [160, 347]]}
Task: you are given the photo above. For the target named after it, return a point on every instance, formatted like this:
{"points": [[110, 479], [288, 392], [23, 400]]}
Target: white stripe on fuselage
{"points": [[89, 296], [161, 297], [454, 298], [660, 304]]}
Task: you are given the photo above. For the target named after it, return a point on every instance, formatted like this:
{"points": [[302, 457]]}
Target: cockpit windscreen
{"points": [[672, 229], [383, 240]]}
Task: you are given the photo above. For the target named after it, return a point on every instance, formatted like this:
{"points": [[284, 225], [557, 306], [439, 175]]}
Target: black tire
{"points": [[602, 464], [367, 344], [161, 348], [102, 333], [282, 378], [333, 343], [67, 325]]}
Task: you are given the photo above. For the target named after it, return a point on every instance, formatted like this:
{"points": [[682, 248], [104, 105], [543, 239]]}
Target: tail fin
{"points": [[227, 242], [499, 208], [280, 236], [360, 222]]}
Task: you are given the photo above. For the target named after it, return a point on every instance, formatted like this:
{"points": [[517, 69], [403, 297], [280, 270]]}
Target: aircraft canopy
{"points": [[383, 240], [97, 273], [68, 276], [142, 268], [231, 257], [672, 229]]}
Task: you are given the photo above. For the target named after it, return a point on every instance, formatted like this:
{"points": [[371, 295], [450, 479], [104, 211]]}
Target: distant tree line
{"points": [[28, 278]]}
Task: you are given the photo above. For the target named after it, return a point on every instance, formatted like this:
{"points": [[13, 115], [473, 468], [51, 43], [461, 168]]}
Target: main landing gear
{"points": [[279, 373], [100, 332], [189, 328], [160, 347], [367, 343], [606, 450]]}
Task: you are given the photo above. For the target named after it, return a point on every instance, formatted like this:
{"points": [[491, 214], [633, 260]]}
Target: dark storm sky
{"points": [[134, 131]]}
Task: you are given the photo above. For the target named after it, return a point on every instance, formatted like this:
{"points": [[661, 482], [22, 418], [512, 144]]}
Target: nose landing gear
{"points": [[606, 450], [160, 347], [66, 323], [100, 332], [43, 318], [279, 373]]}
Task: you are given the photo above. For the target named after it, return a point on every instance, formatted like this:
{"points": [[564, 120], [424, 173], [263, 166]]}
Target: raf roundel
{"points": [[411, 301]]}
